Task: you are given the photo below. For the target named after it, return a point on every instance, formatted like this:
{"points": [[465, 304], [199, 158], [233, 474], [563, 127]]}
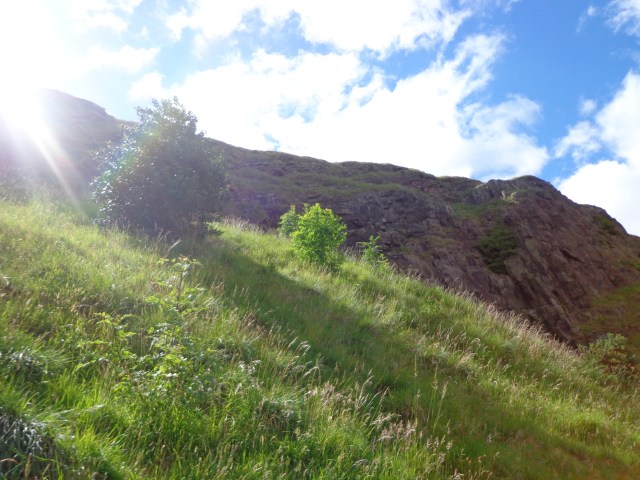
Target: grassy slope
{"points": [[251, 365]]}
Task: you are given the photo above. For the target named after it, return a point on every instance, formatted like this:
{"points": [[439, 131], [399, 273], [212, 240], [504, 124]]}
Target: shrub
{"points": [[371, 253], [319, 234], [613, 353], [497, 246], [164, 175], [288, 222]]}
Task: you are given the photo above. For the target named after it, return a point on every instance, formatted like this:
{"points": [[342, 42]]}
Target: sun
{"points": [[28, 133], [27, 49], [19, 107], [22, 115], [31, 53]]}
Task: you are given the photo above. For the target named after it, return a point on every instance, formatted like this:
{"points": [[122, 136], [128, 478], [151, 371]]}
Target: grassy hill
{"points": [[225, 357]]}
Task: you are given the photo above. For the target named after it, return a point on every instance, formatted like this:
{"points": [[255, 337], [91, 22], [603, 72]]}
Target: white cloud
{"points": [[619, 121], [213, 20], [582, 141], [616, 125], [127, 58], [589, 13], [357, 25], [379, 25], [146, 87], [587, 106], [353, 114], [497, 148], [612, 184], [625, 15], [109, 14], [234, 102], [55, 45]]}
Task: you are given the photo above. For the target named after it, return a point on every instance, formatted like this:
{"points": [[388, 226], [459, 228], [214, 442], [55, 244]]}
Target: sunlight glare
{"points": [[21, 113]]}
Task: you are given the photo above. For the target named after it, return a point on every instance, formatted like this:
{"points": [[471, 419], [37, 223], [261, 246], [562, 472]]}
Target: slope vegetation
{"points": [[126, 357]]}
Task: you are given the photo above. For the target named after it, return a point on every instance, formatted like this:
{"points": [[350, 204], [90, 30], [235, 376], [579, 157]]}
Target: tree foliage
{"points": [[288, 222], [319, 235], [164, 175]]}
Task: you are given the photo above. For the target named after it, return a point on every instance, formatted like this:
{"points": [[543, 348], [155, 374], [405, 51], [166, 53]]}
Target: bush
{"points": [[497, 246], [319, 235], [163, 176], [612, 352], [371, 253], [288, 222]]}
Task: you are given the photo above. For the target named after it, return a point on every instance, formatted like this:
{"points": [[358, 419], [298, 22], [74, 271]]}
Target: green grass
{"points": [[470, 211], [607, 224], [235, 360]]}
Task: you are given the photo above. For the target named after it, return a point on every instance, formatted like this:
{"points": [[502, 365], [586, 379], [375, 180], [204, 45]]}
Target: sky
{"points": [[476, 88]]}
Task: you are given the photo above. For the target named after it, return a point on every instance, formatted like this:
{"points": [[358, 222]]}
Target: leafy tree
{"points": [[288, 222], [319, 234], [164, 175]]}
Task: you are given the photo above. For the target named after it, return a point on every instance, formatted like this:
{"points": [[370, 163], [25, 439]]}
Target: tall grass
{"points": [[234, 360]]}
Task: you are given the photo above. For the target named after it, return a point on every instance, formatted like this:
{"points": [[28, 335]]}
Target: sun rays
{"points": [[31, 143]]}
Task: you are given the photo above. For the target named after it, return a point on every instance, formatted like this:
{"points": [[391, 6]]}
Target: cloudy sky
{"points": [[478, 88]]}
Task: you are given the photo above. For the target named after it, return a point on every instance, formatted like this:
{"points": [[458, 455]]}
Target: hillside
{"points": [[518, 244], [250, 364]]}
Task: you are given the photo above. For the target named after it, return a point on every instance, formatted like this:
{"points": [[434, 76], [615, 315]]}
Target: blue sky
{"points": [[479, 88]]}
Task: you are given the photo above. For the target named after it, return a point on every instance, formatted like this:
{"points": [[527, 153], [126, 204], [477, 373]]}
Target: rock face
{"points": [[519, 244]]}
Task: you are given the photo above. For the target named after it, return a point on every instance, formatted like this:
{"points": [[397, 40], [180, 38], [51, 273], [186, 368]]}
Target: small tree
{"points": [[319, 234], [164, 175], [372, 254], [288, 222]]}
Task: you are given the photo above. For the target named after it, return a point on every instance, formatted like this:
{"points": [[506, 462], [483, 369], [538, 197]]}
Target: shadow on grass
{"points": [[355, 350]]}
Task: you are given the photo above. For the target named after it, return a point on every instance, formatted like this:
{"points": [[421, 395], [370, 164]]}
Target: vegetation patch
{"points": [[471, 211], [608, 225], [616, 311], [227, 357], [612, 352], [497, 246]]}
